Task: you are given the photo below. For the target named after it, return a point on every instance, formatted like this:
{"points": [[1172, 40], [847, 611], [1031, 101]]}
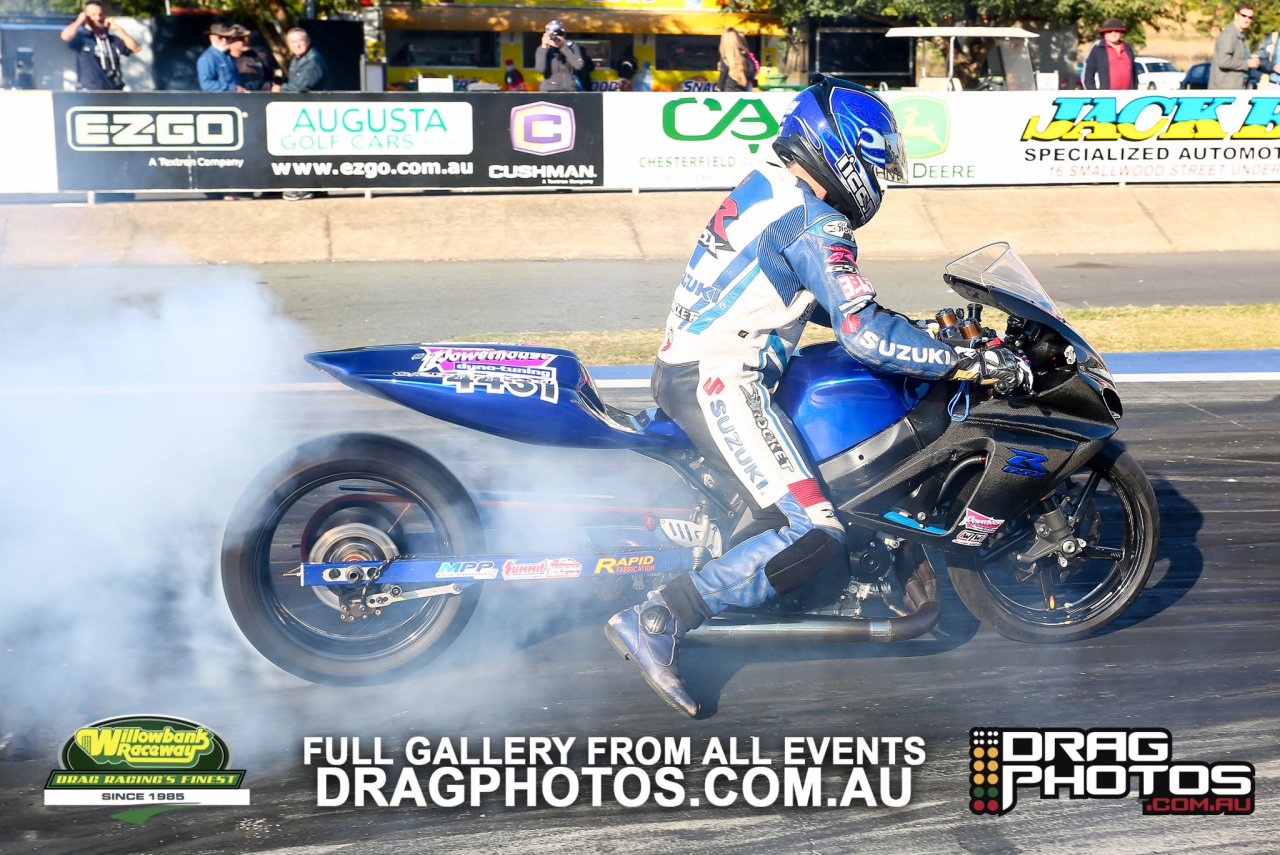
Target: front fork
{"points": [[1055, 531]]}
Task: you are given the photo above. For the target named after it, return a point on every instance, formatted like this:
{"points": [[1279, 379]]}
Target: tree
{"points": [[272, 18], [1081, 15]]}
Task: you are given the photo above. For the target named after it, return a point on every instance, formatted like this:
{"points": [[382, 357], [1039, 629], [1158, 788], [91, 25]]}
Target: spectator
{"points": [[99, 43], [215, 68], [559, 61], [1109, 64], [256, 70], [1270, 61], [307, 71], [737, 67], [626, 65], [1231, 60]]}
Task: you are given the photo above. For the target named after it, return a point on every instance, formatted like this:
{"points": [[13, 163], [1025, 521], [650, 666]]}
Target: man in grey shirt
{"points": [[1231, 60]]}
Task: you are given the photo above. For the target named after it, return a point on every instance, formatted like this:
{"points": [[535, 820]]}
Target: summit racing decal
{"points": [[548, 568], [523, 373], [155, 129], [713, 236], [149, 762], [1101, 764]]}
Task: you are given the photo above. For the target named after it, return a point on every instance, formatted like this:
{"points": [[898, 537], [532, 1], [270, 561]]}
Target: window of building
{"points": [[442, 49]]}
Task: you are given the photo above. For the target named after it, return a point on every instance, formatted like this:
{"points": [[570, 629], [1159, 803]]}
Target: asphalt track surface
{"points": [[1197, 654], [355, 304]]}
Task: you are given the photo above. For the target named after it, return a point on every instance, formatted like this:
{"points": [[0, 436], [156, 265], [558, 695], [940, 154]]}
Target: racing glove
{"points": [[995, 366]]}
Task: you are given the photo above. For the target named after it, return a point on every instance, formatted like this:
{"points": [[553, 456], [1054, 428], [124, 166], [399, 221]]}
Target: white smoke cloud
{"points": [[134, 413], [137, 407]]}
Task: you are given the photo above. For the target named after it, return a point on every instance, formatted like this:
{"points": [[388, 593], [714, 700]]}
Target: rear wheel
{"points": [[352, 498], [1112, 508]]}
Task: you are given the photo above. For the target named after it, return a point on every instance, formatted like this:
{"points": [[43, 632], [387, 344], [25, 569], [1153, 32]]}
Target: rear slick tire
{"points": [[412, 504], [1122, 514]]}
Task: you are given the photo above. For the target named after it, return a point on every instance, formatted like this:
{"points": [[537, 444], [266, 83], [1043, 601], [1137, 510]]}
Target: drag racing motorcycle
{"points": [[359, 557]]}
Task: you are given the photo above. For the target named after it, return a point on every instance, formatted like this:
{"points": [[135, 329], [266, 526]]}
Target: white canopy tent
{"points": [[953, 33]]}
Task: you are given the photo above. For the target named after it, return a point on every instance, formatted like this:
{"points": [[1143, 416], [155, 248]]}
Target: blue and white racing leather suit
{"points": [[772, 258]]}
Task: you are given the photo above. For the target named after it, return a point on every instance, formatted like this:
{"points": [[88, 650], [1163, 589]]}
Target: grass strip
{"points": [[1113, 329]]}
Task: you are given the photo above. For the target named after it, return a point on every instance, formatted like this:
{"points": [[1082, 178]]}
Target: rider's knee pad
{"points": [[792, 566]]}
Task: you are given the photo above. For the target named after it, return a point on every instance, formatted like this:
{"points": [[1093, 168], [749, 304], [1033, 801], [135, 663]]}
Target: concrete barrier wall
{"points": [[914, 223]]}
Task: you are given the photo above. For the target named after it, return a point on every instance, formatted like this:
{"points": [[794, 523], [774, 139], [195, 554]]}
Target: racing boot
{"points": [[649, 636]]}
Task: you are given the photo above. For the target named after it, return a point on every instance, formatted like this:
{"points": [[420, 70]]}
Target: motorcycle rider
{"points": [[778, 253]]}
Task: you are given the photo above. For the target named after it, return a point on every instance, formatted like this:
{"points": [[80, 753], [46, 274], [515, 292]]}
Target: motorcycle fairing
{"points": [[872, 479], [538, 395]]}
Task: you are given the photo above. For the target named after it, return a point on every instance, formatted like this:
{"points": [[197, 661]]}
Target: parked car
{"points": [[1197, 77], [1153, 73], [1156, 73]]}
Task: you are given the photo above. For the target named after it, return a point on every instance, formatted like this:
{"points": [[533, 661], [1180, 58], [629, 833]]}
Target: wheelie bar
{"points": [[463, 570]]}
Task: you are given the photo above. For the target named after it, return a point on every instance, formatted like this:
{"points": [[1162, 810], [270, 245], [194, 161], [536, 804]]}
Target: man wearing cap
{"points": [[1109, 64], [255, 70], [1231, 60], [215, 68], [559, 61]]}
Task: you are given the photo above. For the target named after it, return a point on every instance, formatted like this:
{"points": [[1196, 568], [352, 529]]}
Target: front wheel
{"points": [[350, 498], [1112, 509]]}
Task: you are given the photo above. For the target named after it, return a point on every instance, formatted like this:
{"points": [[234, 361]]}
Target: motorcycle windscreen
{"points": [[530, 394], [835, 402]]}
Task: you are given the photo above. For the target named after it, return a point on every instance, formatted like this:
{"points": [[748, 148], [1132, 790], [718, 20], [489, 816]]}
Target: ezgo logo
{"points": [[149, 762], [1099, 764], [155, 129], [542, 128]]}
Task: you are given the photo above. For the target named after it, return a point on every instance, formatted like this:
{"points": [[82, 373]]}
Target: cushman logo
{"points": [[155, 129], [542, 128]]}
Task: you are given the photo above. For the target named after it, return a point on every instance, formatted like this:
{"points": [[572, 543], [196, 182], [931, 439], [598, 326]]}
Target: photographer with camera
{"points": [[99, 44], [562, 64]]}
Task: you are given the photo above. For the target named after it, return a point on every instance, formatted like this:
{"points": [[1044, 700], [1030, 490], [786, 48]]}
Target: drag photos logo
{"points": [[150, 763], [1101, 764]]}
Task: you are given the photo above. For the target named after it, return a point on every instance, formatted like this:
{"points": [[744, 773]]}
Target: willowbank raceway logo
{"points": [[1101, 764], [149, 763]]}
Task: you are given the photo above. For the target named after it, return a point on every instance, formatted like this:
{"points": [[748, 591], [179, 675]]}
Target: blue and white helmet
{"points": [[847, 139]]}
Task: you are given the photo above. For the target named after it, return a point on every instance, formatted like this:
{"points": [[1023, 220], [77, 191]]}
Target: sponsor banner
{"points": [[660, 140], [28, 163], [203, 141]]}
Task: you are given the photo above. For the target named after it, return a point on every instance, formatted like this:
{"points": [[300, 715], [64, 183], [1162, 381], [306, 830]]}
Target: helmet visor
{"points": [[894, 167]]}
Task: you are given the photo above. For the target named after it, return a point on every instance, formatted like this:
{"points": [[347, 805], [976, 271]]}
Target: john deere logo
{"points": [[925, 125], [153, 763]]}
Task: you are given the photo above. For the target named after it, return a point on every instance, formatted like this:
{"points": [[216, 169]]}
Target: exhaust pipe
{"points": [[921, 594]]}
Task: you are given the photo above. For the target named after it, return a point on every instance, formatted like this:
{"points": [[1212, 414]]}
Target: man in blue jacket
{"points": [[215, 68]]}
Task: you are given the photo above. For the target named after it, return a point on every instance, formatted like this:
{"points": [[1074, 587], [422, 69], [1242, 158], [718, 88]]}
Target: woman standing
{"points": [[737, 66]]}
